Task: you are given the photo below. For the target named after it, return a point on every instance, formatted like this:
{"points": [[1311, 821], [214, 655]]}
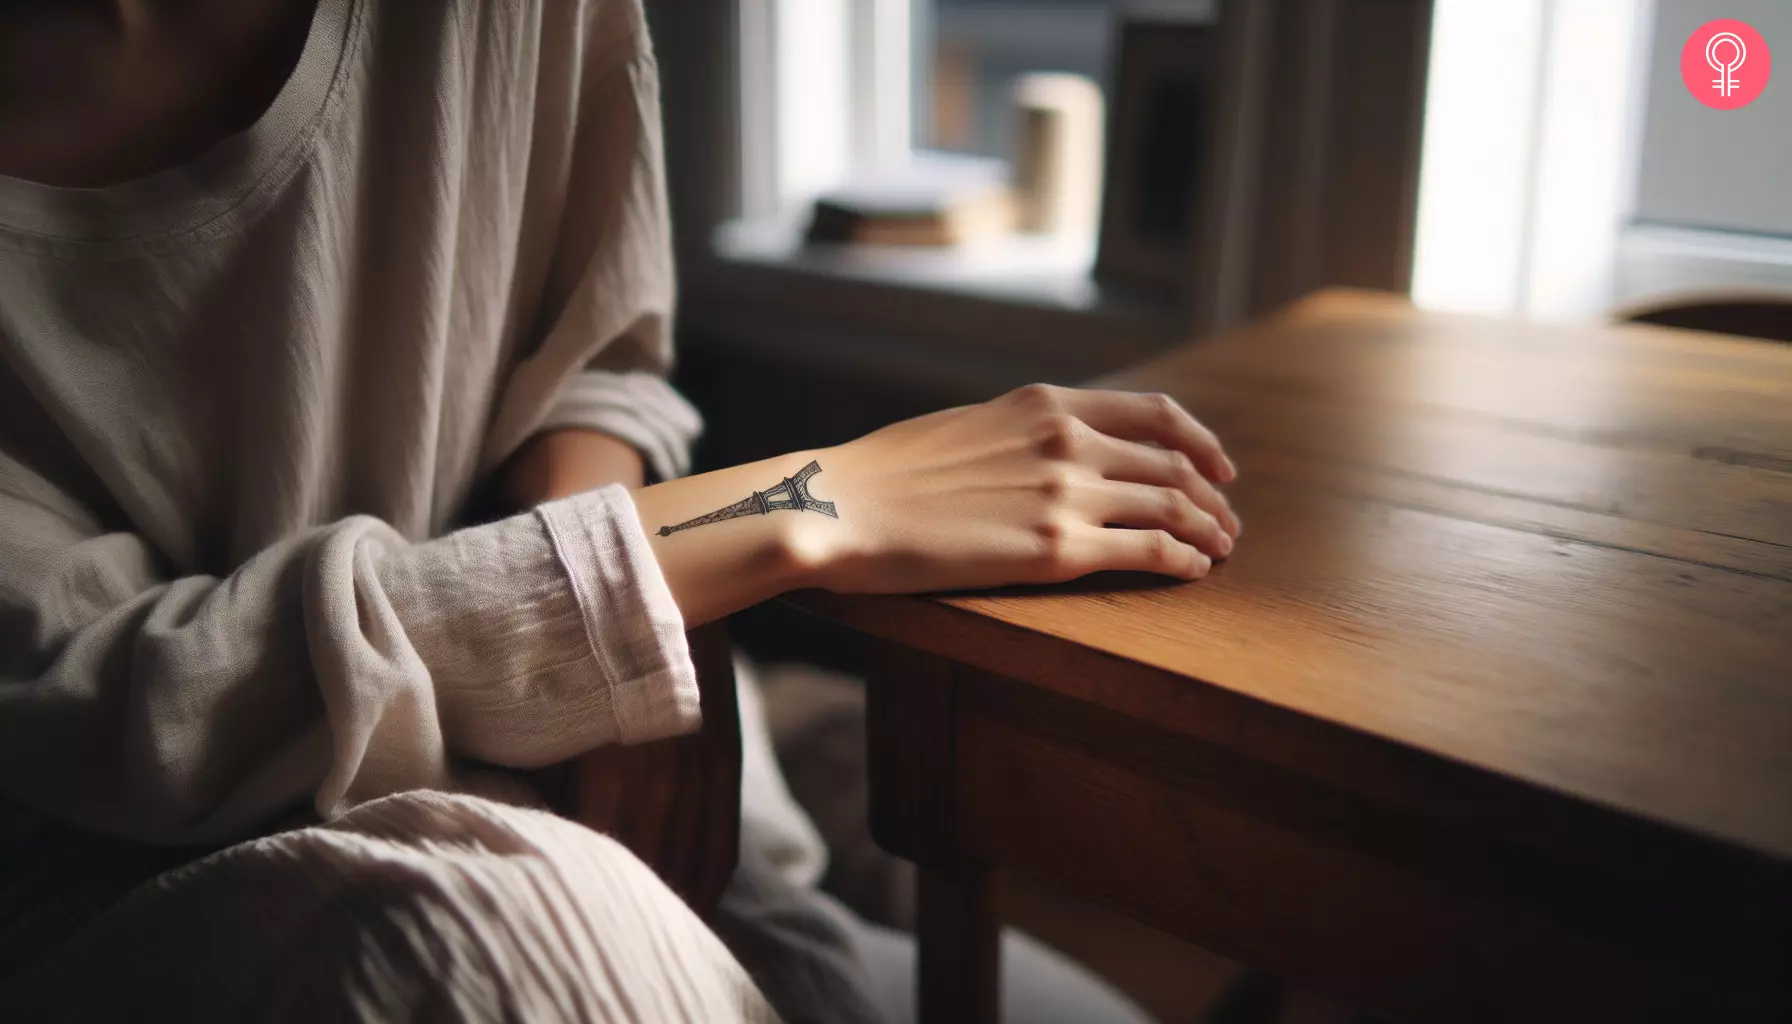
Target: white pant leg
{"points": [[421, 906]]}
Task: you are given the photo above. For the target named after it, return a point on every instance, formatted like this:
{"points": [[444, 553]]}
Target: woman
{"points": [[282, 286]]}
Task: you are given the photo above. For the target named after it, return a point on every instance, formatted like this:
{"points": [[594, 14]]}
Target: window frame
{"points": [[771, 296], [771, 299]]}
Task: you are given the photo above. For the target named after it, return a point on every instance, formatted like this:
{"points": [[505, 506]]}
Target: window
{"points": [[825, 88], [1528, 146], [974, 50], [1530, 135], [1712, 211], [830, 86]]}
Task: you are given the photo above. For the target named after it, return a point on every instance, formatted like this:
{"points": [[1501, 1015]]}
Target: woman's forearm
{"points": [[1041, 485], [712, 569]]}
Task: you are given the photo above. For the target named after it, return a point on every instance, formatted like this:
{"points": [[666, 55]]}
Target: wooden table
{"points": [[1488, 718]]}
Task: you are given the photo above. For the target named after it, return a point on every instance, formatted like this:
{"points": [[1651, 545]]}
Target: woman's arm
{"points": [[728, 568], [557, 463], [664, 801], [1043, 484], [347, 663], [337, 665]]}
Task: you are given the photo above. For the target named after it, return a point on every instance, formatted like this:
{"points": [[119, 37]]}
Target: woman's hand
{"points": [[1021, 489]]}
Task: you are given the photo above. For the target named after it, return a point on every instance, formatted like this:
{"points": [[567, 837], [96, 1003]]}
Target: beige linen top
{"points": [[244, 402]]}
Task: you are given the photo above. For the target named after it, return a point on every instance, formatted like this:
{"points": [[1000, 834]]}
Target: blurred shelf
{"points": [[1029, 269], [1659, 261], [1011, 310]]}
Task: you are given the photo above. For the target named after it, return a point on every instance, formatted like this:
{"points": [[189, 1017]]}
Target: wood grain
{"points": [[1640, 681], [913, 762], [1399, 915], [958, 928], [911, 756], [1626, 646], [1650, 387], [1499, 678]]}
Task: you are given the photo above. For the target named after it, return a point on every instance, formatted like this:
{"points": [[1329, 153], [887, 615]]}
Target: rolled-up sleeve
{"points": [[632, 623], [576, 641], [344, 663]]}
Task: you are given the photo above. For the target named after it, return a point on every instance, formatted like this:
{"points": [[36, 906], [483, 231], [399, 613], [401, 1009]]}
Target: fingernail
{"points": [[1231, 469], [1225, 545]]}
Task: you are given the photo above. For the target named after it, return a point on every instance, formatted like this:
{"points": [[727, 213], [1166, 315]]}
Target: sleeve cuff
{"points": [[637, 406], [632, 622]]}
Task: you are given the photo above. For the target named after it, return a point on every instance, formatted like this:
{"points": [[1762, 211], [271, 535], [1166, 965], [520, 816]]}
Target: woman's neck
{"points": [[93, 93]]}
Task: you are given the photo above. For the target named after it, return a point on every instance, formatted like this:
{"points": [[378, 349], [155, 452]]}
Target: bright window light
{"points": [[1528, 145], [1480, 126]]}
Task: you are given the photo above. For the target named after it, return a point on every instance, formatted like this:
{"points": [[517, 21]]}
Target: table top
{"points": [[1554, 554]]}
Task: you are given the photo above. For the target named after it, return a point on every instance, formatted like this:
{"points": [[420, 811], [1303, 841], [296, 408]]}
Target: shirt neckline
{"points": [[193, 194]]}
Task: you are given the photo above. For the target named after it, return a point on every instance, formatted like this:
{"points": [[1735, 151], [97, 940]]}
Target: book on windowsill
{"points": [[935, 199]]}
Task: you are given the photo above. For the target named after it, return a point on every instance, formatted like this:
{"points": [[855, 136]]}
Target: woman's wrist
{"points": [[721, 550]]}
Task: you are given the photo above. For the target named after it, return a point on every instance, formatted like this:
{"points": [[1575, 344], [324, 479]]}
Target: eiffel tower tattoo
{"points": [[792, 493]]}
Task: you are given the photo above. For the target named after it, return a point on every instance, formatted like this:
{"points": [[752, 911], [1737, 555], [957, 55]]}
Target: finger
{"points": [[1140, 551], [1133, 416], [1161, 508], [1162, 467]]}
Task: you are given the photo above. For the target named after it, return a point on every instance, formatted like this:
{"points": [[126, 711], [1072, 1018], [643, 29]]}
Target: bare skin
{"points": [[558, 463], [1019, 489], [1043, 484], [1014, 490], [151, 83], [1032, 487]]}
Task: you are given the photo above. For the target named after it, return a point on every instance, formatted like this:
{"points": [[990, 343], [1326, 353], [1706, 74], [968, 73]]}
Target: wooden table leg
{"points": [[912, 736], [957, 933]]}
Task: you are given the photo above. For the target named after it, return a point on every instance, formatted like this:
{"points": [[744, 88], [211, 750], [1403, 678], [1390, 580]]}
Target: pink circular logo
{"points": [[1726, 64]]}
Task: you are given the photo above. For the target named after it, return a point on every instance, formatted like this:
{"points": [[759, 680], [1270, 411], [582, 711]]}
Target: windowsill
{"points": [[973, 319], [1660, 261], [1026, 269]]}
